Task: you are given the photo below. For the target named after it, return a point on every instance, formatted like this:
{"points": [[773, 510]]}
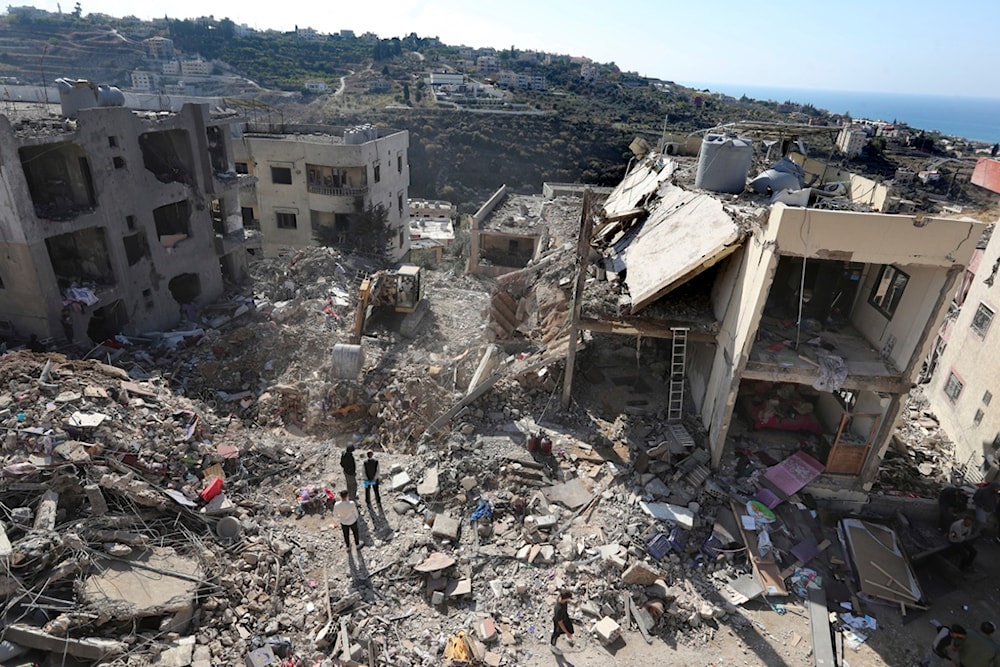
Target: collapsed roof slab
{"points": [[686, 232], [157, 582]]}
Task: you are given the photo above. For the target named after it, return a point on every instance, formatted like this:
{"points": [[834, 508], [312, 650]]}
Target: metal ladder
{"points": [[678, 360]]}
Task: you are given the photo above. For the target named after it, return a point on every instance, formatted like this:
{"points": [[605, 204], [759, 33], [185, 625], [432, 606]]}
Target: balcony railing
{"points": [[331, 191]]}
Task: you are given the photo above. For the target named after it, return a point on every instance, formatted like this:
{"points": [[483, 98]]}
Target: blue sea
{"points": [[975, 118]]}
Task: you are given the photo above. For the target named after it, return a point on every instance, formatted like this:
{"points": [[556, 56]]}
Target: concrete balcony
{"points": [[331, 191]]}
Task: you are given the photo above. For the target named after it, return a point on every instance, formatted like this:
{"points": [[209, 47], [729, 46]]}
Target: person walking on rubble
{"points": [[952, 503], [346, 512], [371, 479], [562, 624], [350, 471], [960, 536]]}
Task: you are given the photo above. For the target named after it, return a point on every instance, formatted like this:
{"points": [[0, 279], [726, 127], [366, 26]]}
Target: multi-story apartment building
{"points": [[114, 223], [328, 181], [964, 379], [196, 67], [851, 140], [145, 80]]}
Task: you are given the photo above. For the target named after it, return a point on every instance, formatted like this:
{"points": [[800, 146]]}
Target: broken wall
{"points": [[860, 190], [743, 291]]}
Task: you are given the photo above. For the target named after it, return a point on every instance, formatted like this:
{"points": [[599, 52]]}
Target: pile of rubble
{"points": [[921, 460], [124, 549]]}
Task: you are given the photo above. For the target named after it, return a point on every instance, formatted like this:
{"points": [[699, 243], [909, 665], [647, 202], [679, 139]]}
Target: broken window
{"points": [[130, 221], [217, 149], [953, 387], [987, 397], [286, 220], [167, 155], [118, 162], [113, 142], [136, 247], [377, 172], [81, 257], [172, 223], [247, 213], [185, 288], [59, 180], [399, 163], [982, 319], [888, 290], [281, 175], [978, 417], [399, 202], [242, 168], [147, 296], [218, 214]]}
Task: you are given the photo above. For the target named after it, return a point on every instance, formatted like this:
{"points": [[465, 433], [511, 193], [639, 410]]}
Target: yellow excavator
{"points": [[400, 289]]}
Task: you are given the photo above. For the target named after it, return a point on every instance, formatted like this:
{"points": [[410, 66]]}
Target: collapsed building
{"points": [[113, 220], [742, 312]]}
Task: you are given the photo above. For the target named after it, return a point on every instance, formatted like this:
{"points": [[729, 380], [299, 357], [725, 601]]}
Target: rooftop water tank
{"points": [[723, 163]]}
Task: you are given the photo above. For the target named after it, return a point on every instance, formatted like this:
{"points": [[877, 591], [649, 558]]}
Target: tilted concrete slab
{"points": [[686, 233], [143, 586]]}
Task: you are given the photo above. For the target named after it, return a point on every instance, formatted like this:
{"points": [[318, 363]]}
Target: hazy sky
{"points": [[917, 46]]}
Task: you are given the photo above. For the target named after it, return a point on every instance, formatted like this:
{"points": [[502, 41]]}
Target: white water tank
{"points": [[723, 163]]}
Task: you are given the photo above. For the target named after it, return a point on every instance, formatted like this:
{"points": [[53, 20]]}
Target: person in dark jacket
{"points": [[562, 624], [350, 471], [371, 479]]}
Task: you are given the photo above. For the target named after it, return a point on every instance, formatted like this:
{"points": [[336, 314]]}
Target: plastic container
{"points": [[723, 163], [545, 445], [533, 441], [212, 490]]}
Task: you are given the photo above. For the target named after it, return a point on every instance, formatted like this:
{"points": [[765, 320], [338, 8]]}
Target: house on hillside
{"points": [[794, 326], [324, 181], [121, 219]]}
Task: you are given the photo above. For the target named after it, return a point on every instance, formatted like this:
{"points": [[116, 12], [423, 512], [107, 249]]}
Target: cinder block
{"points": [[607, 630]]}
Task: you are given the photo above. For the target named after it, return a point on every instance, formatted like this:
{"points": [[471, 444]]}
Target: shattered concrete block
{"points": [[446, 527], [469, 483], [590, 609], [98, 505], [640, 574], [523, 552], [545, 522], [617, 561], [87, 649], [399, 481], [177, 654], [547, 554], [45, 519], [437, 597], [492, 659], [429, 485], [607, 630], [533, 553], [657, 488], [486, 629], [202, 656]]}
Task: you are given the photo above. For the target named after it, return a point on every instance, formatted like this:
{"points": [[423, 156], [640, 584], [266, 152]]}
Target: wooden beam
{"points": [[646, 328]]}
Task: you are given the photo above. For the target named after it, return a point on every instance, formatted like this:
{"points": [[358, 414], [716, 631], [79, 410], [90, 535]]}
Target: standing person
{"points": [[346, 512], [974, 650], [940, 645], [961, 537], [66, 320], [952, 503], [985, 500], [562, 624], [371, 479], [350, 471]]}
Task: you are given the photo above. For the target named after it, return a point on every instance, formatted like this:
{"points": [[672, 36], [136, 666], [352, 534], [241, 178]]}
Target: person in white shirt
{"points": [[961, 537], [346, 512]]}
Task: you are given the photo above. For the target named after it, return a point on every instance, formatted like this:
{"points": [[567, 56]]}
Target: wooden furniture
{"points": [[847, 453]]}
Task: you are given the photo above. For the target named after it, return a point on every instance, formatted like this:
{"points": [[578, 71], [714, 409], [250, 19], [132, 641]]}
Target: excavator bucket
{"points": [[347, 361]]}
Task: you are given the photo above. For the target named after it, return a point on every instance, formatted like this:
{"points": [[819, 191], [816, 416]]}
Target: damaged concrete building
{"points": [[807, 322], [966, 353], [326, 185], [112, 220]]}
